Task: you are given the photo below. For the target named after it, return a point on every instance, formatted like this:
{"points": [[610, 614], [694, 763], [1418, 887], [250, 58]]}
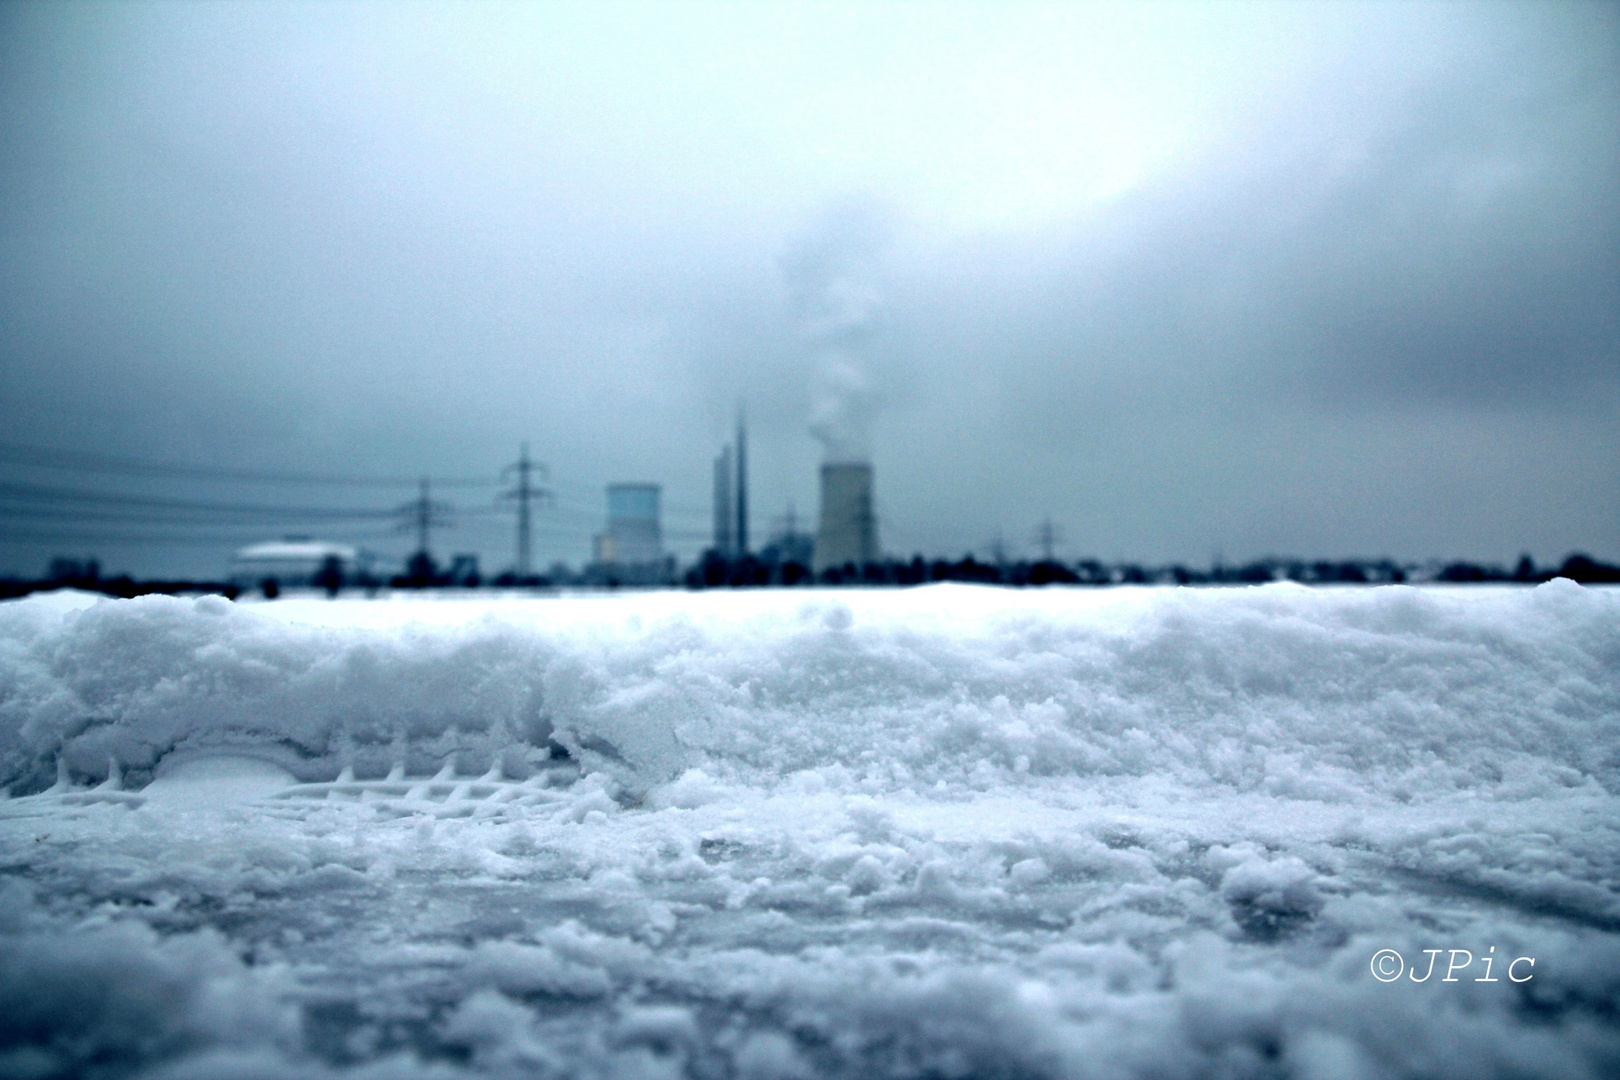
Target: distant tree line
{"points": [[714, 571], [86, 576]]}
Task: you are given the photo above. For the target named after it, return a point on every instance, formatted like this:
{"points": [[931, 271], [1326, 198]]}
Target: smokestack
{"points": [[724, 533], [848, 532], [742, 485]]}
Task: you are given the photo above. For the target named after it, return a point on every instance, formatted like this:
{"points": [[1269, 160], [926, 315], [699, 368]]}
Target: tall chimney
{"points": [[742, 485], [848, 532], [725, 535]]}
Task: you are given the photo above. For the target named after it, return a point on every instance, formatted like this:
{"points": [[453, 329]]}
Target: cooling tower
{"points": [[633, 535], [848, 532]]}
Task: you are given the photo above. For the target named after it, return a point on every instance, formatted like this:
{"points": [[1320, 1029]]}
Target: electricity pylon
{"points": [[1049, 536], [422, 514], [525, 493]]}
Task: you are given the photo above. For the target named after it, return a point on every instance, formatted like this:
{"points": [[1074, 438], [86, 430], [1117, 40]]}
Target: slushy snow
{"points": [[943, 832]]}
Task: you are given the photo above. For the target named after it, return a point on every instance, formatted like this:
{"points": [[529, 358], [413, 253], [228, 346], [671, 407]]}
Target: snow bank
{"points": [[1393, 693], [946, 832]]}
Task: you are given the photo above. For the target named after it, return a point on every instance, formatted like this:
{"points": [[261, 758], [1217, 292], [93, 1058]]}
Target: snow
{"points": [[942, 832], [295, 551]]}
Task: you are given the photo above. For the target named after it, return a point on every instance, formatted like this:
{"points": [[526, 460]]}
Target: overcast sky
{"points": [[1185, 279]]}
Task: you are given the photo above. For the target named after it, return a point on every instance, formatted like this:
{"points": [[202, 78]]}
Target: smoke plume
{"points": [[839, 313]]}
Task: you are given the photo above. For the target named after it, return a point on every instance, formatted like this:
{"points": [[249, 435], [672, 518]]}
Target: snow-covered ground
{"points": [[943, 832]]}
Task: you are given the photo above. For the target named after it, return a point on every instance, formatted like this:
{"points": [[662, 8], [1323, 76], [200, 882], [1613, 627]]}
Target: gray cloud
{"points": [[1375, 311]]}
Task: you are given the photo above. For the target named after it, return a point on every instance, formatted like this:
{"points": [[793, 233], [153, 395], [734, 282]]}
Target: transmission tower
{"points": [[423, 514], [1049, 536], [526, 495]]}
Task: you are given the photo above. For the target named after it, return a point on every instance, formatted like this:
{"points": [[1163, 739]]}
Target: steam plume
{"points": [[840, 312]]}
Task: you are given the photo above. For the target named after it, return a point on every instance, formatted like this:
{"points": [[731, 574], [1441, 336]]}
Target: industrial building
{"points": [[292, 562], [848, 529], [631, 550]]}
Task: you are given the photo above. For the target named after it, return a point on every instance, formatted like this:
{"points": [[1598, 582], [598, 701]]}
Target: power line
{"points": [[84, 461], [8, 534], [44, 511], [237, 535], [36, 494]]}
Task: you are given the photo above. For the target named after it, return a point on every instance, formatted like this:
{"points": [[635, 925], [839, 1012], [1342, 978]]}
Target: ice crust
{"points": [[944, 832]]}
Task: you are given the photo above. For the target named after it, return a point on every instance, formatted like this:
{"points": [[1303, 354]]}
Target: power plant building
{"points": [[633, 537], [294, 562], [848, 531]]}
